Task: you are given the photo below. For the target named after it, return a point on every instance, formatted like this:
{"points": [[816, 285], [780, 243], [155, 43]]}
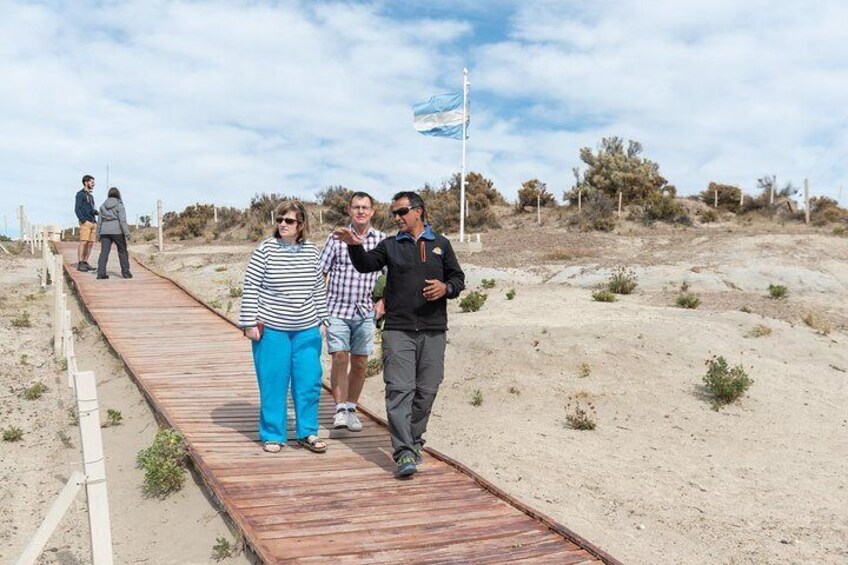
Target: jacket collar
{"points": [[427, 234]]}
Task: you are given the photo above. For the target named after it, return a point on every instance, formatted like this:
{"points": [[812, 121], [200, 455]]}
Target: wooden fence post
{"points": [[95, 468], [715, 199], [806, 201], [539, 209], [58, 302], [619, 203], [579, 201], [159, 223]]}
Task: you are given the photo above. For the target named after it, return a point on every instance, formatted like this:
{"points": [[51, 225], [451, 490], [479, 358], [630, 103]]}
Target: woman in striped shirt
{"points": [[283, 305]]}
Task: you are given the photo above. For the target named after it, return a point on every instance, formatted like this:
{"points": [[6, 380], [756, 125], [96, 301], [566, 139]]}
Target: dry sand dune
{"points": [[663, 478]]}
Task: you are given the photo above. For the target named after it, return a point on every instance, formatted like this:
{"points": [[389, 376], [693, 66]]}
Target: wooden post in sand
{"points": [[715, 198], [58, 302], [579, 201], [215, 213], [159, 223], [741, 198], [620, 194], [771, 190], [806, 201], [539, 209], [46, 259]]}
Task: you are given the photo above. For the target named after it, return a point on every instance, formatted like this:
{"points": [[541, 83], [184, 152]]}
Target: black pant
{"points": [[106, 241]]}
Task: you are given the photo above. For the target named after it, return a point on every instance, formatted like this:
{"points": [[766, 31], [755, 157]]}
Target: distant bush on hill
{"points": [[443, 203], [783, 198], [335, 200], [532, 193], [728, 196], [824, 210], [189, 223]]}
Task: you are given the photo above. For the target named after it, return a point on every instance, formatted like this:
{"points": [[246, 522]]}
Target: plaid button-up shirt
{"points": [[348, 290]]}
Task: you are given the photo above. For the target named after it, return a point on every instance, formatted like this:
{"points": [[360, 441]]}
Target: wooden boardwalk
{"points": [[343, 506]]}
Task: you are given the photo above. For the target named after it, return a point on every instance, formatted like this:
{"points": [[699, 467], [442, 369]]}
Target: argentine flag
{"points": [[441, 116]]}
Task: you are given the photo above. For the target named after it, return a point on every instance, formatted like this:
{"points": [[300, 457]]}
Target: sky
{"points": [[217, 101]]}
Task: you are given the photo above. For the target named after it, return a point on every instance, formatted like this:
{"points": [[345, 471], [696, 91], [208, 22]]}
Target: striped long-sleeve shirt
{"points": [[283, 287]]}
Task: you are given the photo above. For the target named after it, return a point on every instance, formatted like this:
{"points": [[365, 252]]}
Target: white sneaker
{"points": [[340, 420], [353, 423]]}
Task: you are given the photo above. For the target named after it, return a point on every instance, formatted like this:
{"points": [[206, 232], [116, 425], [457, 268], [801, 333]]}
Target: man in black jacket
{"points": [[423, 273], [87, 216]]}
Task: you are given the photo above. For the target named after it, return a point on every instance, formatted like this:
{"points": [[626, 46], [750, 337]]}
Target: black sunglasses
{"points": [[403, 211], [288, 221]]}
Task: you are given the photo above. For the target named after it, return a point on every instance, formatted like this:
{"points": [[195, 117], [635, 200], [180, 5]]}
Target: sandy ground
{"points": [[663, 478], [181, 529]]}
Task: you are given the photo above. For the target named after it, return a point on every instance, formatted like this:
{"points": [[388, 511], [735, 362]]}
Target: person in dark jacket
{"points": [[113, 228], [87, 216], [423, 272]]}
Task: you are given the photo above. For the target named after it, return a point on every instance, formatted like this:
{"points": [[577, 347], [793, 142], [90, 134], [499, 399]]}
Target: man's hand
{"points": [[347, 236], [379, 309], [434, 289], [252, 333]]}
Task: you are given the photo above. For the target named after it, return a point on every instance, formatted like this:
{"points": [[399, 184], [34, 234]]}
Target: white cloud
{"points": [[217, 101]]}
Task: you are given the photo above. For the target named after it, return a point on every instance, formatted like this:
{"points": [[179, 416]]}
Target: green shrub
{"points": [[34, 391], [443, 203], [224, 549], [778, 291], [164, 464], [22, 320], [664, 208], [510, 294], [12, 434], [604, 296], [723, 383], [622, 281], [235, 291], [476, 398], [760, 330], [708, 216], [531, 193], [113, 418], [598, 211], [487, 283], [728, 197], [216, 303], [189, 223], [687, 300], [473, 301], [73, 416], [584, 369]]}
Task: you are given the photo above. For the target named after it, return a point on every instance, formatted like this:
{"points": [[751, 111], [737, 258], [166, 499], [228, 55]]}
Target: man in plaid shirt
{"points": [[350, 335]]}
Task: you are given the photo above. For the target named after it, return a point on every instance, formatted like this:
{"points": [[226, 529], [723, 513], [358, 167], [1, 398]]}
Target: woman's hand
{"points": [[252, 333]]}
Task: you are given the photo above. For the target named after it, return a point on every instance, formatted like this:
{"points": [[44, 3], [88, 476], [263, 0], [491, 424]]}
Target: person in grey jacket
{"points": [[112, 228]]}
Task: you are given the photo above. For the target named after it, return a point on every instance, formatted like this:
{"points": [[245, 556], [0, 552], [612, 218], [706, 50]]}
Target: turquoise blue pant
{"points": [[282, 357]]}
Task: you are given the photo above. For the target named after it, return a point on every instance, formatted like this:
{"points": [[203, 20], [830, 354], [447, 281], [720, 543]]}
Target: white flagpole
{"points": [[464, 136]]}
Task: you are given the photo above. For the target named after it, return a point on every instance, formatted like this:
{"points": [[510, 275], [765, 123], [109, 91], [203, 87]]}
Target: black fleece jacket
{"points": [[409, 264]]}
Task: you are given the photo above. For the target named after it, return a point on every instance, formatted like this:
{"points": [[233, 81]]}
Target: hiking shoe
{"points": [[83, 267], [340, 420], [127, 275], [419, 458], [102, 276], [406, 467], [353, 423]]}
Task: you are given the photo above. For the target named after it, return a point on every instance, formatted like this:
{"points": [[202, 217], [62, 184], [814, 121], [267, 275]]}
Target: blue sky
{"points": [[216, 101]]}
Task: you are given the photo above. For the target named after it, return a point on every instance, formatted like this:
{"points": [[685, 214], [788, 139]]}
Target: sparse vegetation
{"points": [[476, 397], [216, 303], [473, 301], [821, 326], [12, 434], [35, 391], [224, 549], [73, 416], [113, 418], [760, 330], [22, 320], [584, 369], [725, 384], [514, 390], [579, 417], [559, 254], [235, 291], [487, 283], [65, 439], [778, 291], [746, 309], [622, 281], [220, 268], [687, 300], [63, 364], [510, 294], [164, 464], [604, 296], [707, 216], [374, 366], [532, 193]]}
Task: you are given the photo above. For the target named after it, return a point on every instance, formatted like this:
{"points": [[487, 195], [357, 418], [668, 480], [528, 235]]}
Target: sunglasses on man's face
{"points": [[287, 221], [402, 211]]}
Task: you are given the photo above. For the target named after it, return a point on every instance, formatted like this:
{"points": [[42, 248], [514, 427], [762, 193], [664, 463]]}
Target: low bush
{"points": [[687, 300], [821, 326], [163, 463], [487, 283], [707, 216], [34, 391], [778, 291], [473, 301], [476, 398], [12, 434], [760, 330], [728, 196], [579, 417], [374, 366], [725, 384], [604, 296], [510, 294], [622, 281], [113, 418], [22, 320]]}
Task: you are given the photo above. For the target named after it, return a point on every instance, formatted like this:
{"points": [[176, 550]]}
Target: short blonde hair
{"points": [[299, 209]]}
